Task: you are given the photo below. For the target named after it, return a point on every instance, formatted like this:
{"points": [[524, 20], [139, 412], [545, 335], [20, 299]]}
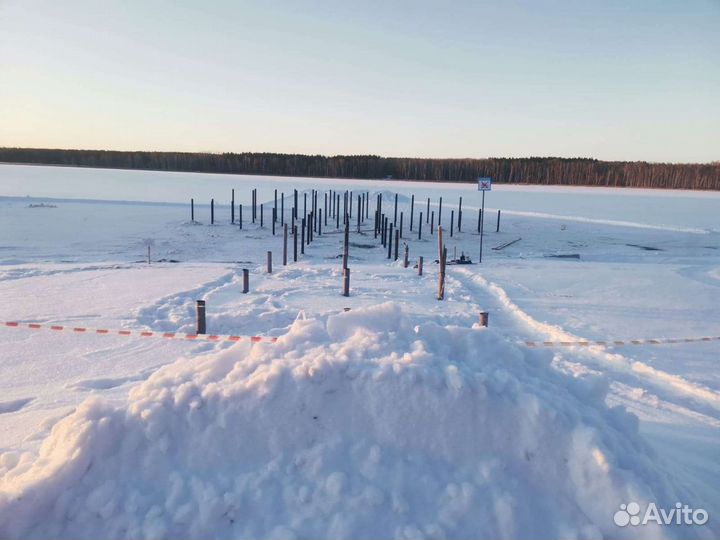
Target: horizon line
{"points": [[326, 156]]}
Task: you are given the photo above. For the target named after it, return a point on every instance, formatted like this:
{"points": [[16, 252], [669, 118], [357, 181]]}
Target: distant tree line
{"points": [[531, 170]]}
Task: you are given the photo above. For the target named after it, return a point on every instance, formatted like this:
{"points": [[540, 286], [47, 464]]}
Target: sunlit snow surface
{"points": [[397, 418]]}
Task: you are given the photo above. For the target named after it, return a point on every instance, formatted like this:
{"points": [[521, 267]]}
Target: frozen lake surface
{"points": [[674, 209]]}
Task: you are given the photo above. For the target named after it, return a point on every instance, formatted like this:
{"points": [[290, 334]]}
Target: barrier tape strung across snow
{"points": [[270, 339], [140, 333], [617, 343]]}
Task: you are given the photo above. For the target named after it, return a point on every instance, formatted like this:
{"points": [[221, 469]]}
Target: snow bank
{"points": [[358, 426], [661, 379]]}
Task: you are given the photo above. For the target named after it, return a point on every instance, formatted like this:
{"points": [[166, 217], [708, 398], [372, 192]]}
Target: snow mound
{"points": [[360, 425]]}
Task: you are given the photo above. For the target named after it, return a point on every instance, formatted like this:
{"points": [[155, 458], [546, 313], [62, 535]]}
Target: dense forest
{"points": [[531, 170]]}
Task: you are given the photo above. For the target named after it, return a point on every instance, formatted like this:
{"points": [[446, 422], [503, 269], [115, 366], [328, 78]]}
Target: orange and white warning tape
{"points": [[617, 343], [139, 333], [271, 339]]}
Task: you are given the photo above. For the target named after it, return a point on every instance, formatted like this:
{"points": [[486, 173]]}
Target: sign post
{"points": [[484, 184]]}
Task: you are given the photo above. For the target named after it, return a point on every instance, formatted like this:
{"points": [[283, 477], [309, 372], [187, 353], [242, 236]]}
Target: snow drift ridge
{"points": [[360, 426]]}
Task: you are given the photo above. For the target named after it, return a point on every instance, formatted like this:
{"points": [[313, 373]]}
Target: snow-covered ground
{"points": [[396, 418]]}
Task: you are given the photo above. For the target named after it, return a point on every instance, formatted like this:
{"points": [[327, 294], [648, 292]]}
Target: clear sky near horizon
{"points": [[625, 80]]}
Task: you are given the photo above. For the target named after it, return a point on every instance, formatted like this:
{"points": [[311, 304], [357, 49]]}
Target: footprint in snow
{"points": [[107, 383], [14, 405]]}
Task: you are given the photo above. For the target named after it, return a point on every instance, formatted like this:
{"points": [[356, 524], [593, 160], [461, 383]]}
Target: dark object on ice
{"points": [[41, 205], [362, 246], [463, 259], [646, 248], [565, 256], [506, 244], [342, 256]]}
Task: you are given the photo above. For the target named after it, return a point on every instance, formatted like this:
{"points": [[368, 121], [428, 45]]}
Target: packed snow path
{"points": [[662, 389]]}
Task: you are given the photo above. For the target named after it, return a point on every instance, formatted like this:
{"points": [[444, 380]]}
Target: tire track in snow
{"points": [[14, 273], [700, 274], [108, 383], [630, 372]]}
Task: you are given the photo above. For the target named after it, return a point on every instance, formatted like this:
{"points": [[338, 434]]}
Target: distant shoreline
{"points": [[377, 185], [540, 171], [461, 182]]}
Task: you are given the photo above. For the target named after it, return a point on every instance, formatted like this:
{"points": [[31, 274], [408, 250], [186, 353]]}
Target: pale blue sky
{"points": [[607, 79]]}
